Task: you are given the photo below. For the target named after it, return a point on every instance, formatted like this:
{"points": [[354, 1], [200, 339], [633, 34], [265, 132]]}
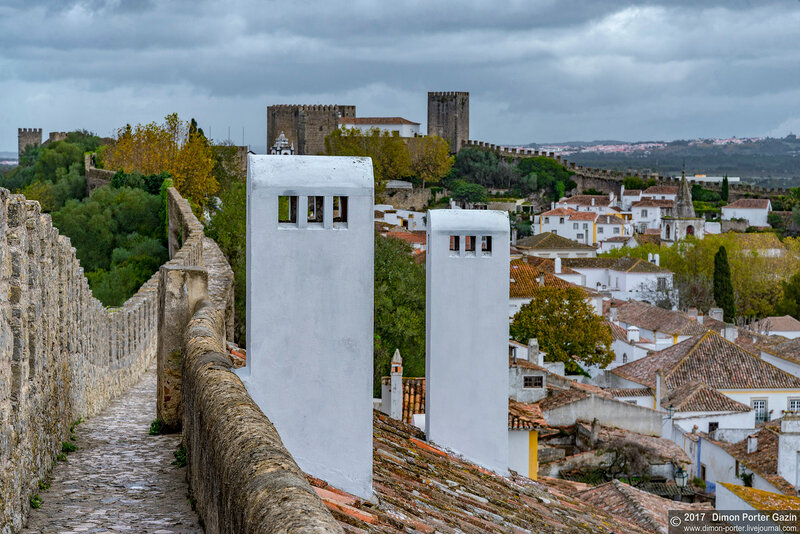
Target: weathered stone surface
{"points": [[242, 477], [120, 479]]}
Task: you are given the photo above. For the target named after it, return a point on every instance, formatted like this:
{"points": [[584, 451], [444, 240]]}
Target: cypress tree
{"points": [[723, 287], [724, 191]]}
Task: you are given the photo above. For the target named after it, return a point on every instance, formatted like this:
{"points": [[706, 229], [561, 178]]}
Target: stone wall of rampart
{"points": [[95, 177]]}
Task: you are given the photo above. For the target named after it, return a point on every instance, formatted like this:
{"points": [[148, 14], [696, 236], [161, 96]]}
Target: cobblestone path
{"points": [[120, 479]]}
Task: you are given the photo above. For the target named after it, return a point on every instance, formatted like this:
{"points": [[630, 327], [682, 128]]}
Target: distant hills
{"points": [[767, 161]]}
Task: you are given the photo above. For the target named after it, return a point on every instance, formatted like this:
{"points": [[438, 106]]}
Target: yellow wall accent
{"points": [[675, 339], [533, 455], [594, 233]]}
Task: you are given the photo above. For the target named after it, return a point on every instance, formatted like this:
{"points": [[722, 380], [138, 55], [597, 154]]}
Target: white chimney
{"points": [[396, 409], [789, 448], [700, 318], [467, 295], [649, 257], [558, 265], [692, 312], [613, 313], [752, 444], [592, 201], [633, 334], [716, 313], [731, 332], [658, 389], [533, 349], [514, 236], [657, 260]]}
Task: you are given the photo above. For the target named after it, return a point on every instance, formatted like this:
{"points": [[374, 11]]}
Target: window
{"points": [[661, 284], [580, 236], [455, 243], [547, 220], [486, 245], [760, 407], [315, 209], [712, 426], [532, 381], [469, 243], [585, 226], [561, 220], [599, 229], [794, 405], [287, 210], [574, 226], [616, 230], [624, 357], [644, 213], [339, 210]]}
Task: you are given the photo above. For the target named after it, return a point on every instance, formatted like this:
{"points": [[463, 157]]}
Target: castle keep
{"points": [[27, 137], [448, 117], [305, 126]]}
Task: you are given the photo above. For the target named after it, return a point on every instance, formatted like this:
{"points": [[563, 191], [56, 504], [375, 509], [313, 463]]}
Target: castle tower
{"points": [[305, 126], [466, 361], [310, 263], [27, 137], [448, 117]]}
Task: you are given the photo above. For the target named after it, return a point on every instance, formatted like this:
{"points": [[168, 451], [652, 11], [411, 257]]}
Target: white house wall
{"points": [[785, 365], [754, 217], [777, 400], [687, 420], [519, 451]]}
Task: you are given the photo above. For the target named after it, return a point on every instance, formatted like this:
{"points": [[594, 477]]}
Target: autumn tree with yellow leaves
{"points": [[177, 147]]}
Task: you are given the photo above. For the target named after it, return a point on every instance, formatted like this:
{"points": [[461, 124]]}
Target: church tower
{"points": [[684, 221]]}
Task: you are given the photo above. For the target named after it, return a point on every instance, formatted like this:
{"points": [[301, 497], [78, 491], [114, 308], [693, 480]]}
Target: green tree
{"points": [[723, 287], [399, 308], [633, 182], [430, 158], [467, 192], [566, 327], [724, 189], [790, 302]]}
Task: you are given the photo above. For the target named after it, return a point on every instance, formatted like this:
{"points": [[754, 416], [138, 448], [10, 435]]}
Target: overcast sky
{"points": [[536, 70]]}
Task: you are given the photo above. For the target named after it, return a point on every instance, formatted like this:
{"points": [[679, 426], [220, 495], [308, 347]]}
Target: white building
{"points": [[786, 326], [646, 214], [310, 259], [754, 210], [467, 314], [550, 245], [403, 127], [599, 204], [566, 222], [661, 192], [625, 278]]}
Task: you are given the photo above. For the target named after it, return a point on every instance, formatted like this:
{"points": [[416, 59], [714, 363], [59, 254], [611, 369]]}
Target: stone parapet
{"points": [[241, 476]]}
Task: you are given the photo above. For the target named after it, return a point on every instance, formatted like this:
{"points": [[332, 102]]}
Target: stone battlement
{"points": [[610, 180], [448, 93], [310, 107], [29, 130]]}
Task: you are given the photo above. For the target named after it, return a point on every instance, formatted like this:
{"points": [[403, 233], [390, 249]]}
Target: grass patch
{"points": [[156, 427], [68, 446], [180, 457], [44, 485], [36, 501], [61, 457]]}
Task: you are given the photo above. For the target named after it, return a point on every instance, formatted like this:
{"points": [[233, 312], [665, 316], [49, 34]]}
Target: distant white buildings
{"points": [[403, 127]]}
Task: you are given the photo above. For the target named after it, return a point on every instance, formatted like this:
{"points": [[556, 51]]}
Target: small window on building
{"points": [[574, 226], [486, 245], [547, 220], [599, 229], [624, 357], [794, 405], [339, 210], [533, 381], [287, 210], [469, 243], [561, 220], [455, 243], [580, 236], [315, 209], [585, 226], [661, 284], [712, 426], [760, 408], [616, 229], [644, 213]]}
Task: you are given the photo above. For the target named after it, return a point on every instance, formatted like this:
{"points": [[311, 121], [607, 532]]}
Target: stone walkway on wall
{"points": [[120, 479]]}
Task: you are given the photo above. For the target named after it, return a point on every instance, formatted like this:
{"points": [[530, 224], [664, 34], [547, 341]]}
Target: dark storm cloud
{"points": [[541, 70]]}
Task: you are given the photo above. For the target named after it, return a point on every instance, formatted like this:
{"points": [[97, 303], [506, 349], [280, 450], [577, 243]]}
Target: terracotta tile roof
{"points": [[644, 509], [694, 396], [563, 486], [661, 190], [583, 216], [787, 323], [632, 192], [749, 204], [547, 265], [764, 461], [413, 395], [551, 241], [558, 212], [764, 500], [412, 238], [421, 488], [609, 219], [617, 332], [618, 239], [586, 200], [575, 393], [626, 264], [788, 350], [661, 448], [375, 120], [653, 318], [653, 203], [524, 280], [644, 239], [524, 416], [630, 392], [652, 231], [711, 359]]}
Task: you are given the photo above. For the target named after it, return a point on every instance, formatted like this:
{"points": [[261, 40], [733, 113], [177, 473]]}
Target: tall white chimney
{"points": [[657, 260], [533, 349], [396, 410], [659, 379], [467, 314], [592, 201], [789, 448], [557, 268], [752, 444], [633, 334]]}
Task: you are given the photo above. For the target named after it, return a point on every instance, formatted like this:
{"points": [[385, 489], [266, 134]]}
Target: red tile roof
{"points": [[583, 216], [764, 460], [524, 416], [786, 323], [524, 280], [547, 265], [694, 396], [632, 192], [749, 204], [657, 319], [551, 241], [626, 264], [661, 190], [375, 120], [644, 509], [559, 212], [609, 219], [710, 359], [630, 392], [653, 203]]}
